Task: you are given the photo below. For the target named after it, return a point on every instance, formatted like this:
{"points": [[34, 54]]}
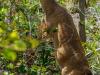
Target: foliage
{"points": [[21, 52], [93, 37]]}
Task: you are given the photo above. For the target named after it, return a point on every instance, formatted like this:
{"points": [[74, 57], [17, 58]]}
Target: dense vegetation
{"points": [[20, 50]]}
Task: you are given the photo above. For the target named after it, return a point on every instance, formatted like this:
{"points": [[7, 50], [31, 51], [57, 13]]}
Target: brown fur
{"points": [[70, 54]]}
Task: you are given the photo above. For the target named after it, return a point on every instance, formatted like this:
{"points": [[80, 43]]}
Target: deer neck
{"points": [[48, 6]]}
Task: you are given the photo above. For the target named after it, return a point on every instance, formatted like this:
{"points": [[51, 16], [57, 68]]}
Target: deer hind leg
{"points": [[76, 71], [69, 63], [72, 72], [64, 56]]}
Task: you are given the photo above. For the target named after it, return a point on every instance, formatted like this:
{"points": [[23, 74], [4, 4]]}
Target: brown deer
{"points": [[69, 51]]}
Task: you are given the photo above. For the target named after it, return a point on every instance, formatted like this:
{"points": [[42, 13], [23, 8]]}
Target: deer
{"points": [[70, 53]]}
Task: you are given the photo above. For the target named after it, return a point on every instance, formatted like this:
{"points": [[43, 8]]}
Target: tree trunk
{"points": [[82, 20]]}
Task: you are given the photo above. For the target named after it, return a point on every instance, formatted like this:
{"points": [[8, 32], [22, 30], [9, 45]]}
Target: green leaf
{"points": [[11, 74], [5, 73], [19, 45], [22, 69], [1, 31], [34, 73], [14, 35], [9, 54], [10, 66], [43, 69], [35, 68], [34, 43]]}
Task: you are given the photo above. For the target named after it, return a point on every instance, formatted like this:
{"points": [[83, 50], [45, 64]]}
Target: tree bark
{"points": [[82, 7]]}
